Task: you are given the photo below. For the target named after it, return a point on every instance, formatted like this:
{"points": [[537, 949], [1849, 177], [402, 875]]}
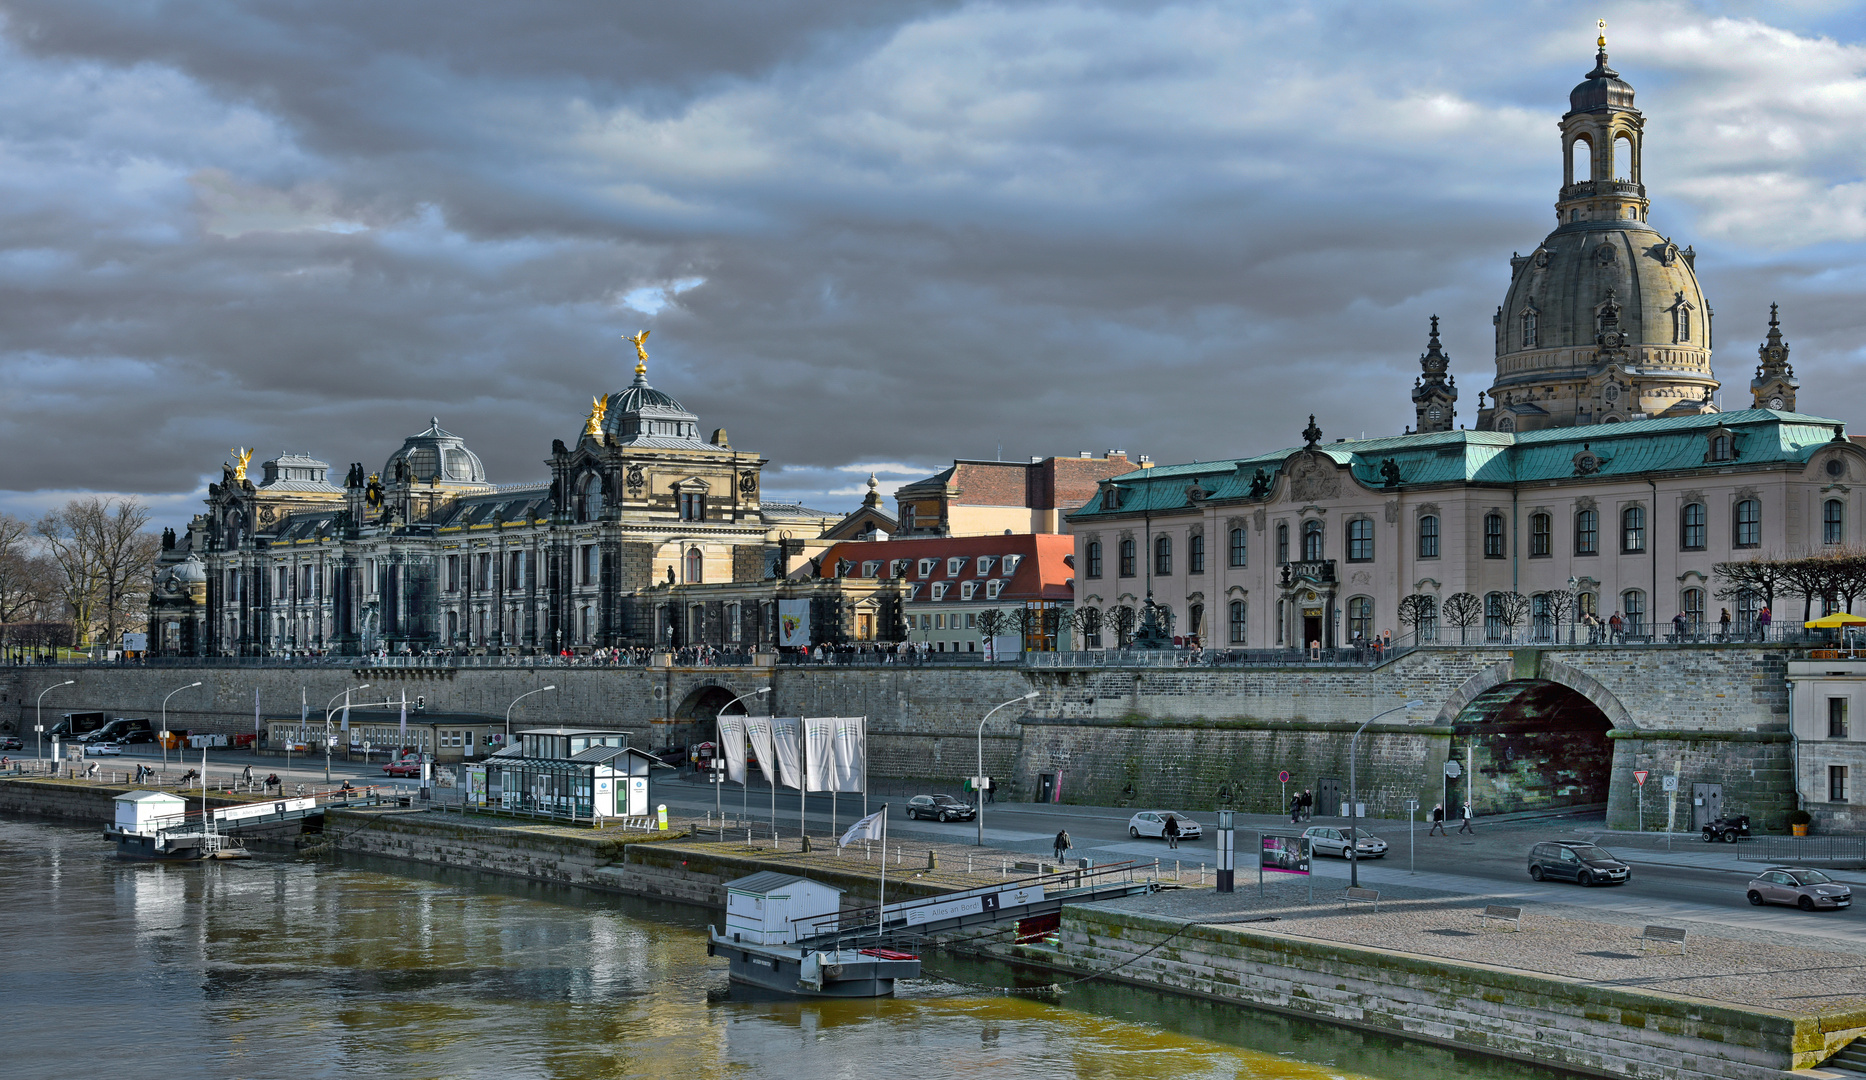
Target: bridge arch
{"points": [[691, 720], [1532, 734]]}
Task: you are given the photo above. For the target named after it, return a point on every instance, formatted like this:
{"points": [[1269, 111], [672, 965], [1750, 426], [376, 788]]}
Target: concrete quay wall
{"points": [[1549, 1020], [1195, 738]]}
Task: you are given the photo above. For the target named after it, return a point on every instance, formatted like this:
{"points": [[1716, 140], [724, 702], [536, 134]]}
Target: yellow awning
{"points": [[1835, 621]]}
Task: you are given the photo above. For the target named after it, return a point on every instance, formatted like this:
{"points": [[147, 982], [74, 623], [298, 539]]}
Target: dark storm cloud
{"points": [[867, 236]]}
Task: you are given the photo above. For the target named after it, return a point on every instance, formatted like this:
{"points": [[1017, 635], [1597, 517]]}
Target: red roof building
{"points": [[952, 581]]}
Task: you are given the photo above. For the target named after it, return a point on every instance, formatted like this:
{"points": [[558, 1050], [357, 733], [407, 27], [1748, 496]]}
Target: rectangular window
{"points": [[1836, 718], [1195, 553], [939, 590], [1633, 605], [1239, 622], [1282, 544], [954, 565], [1428, 537], [926, 622], [453, 573], [939, 621], [1633, 530], [1163, 556], [1127, 557], [1833, 522], [1094, 558], [984, 566], [692, 506], [1541, 539], [971, 620], [1692, 528], [1749, 523], [1361, 540], [966, 590], [1240, 549], [1587, 532], [1493, 536], [1837, 783]]}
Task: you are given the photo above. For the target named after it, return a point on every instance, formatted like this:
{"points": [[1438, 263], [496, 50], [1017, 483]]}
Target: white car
{"points": [[1153, 823], [103, 749], [1327, 841]]}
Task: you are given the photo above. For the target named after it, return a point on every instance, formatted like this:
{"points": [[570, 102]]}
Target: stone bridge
{"points": [[1530, 728]]}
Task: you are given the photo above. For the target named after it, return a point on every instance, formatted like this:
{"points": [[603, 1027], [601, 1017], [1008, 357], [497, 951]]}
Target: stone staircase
{"points": [[1847, 1064]]}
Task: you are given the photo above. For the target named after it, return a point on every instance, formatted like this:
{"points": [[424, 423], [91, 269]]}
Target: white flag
{"points": [[851, 752], [785, 736], [821, 761], [732, 746], [758, 730], [346, 717], [404, 725], [869, 828]]}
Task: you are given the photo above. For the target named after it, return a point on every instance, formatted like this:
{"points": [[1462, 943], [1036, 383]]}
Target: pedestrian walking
{"points": [[1308, 803], [246, 777], [1295, 809], [1062, 843], [1616, 629], [1466, 827], [1763, 619], [1438, 821], [1172, 832], [991, 791], [1678, 627], [1723, 625]]}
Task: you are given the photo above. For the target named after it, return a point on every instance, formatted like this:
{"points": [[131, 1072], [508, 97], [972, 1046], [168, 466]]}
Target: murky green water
{"points": [[288, 967]]}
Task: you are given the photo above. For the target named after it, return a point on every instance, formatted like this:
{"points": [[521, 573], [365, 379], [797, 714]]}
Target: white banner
{"points": [[758, 730], [819, 762], [851, 752], [785, 735], [793, 623], [871, 827], [732, 747], [252, 810]]}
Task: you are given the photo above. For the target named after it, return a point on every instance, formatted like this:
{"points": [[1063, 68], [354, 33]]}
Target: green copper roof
{"points": [[1676, 444]]}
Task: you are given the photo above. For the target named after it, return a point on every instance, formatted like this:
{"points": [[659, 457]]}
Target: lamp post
{"points": [[171, 694], [38, 724], [327, 710], [1574, 606], [719, 748], [1354, 807], [978, 781], [515, 701]]}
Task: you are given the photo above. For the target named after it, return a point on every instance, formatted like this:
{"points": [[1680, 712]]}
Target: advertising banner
{"points": [[1285, 854], [758, 731], [732, 739], [820, 761], [851, 752], [786, 748], [793, 623]]}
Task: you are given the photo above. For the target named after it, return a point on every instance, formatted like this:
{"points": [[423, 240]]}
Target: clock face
{"points": [[1776, 402]]}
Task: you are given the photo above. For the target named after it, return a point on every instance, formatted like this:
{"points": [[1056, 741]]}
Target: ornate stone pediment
{"points": [[1313, 475]]}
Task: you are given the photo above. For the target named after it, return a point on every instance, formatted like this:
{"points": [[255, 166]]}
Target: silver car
{"points": [[1153, 823], [1806, 889], [1327, 841]]}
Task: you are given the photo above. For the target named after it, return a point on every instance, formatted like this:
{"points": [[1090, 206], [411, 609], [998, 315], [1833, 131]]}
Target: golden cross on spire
{"points": [[641, 353], [1602, 23]]}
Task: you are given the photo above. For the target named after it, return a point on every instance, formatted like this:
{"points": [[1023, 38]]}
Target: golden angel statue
{"points": [[241, 458], [641, 352], [599, 408]]}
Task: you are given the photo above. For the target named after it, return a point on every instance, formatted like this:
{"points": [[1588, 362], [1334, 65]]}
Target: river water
{"points": [[299, 967]]}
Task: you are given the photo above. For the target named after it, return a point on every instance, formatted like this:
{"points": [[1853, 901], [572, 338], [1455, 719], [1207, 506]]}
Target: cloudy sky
{"points": [[866, 235]]}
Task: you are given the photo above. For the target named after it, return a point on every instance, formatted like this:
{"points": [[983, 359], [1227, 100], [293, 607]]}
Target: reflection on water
{"points": [[282, 967]]}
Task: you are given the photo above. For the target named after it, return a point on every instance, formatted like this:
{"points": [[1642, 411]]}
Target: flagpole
{"points": [[881, 907], [803, 781]]}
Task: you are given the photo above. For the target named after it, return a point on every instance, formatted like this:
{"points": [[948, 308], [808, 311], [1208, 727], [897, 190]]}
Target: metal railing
{"points": [[1801, 849]]}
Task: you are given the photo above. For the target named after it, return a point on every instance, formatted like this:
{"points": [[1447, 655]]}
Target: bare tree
{"points": [[1462, 610], [1762, 578], [1122, 619], [1562, 608], [1512, 608], [28, 581], [991, 623], [1416, 610], [104, 559], [1086, 622]]}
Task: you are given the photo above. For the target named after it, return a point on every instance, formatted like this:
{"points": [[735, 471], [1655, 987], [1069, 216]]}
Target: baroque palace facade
{"points": [[428, 554], [1601, 466]]}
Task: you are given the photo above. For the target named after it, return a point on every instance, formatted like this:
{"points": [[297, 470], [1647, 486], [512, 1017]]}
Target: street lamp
{"points": [[1354, 807], [1574, 606], [171, 694], [719, 748], [38, 725], [978, 781], [346, 705], [516, 700]]}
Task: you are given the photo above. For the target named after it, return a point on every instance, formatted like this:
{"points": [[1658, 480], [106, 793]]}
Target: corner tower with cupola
{"points": [[1604, 321], [1434, 393]]}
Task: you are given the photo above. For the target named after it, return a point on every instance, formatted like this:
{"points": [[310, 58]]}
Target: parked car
{"points": [[1153, 823], [138, 737], [103, 749], [402, 768], [1728, 829], [1573, 860], [1806, 889], [11, 742], [671, 755], [1327, 841], [940, 808]]}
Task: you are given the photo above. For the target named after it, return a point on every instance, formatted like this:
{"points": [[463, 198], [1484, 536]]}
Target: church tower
{"points": [[1604, 321], [1434, 394], [1774, 385]]}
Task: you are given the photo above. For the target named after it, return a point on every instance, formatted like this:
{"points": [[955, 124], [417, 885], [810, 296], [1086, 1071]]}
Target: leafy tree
{"points": [[1462, 610]]}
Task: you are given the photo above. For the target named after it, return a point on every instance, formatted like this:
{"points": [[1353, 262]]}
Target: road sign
{"points": [[1283, 777], [1639, 777], [1453, 769], [1671, 783]]}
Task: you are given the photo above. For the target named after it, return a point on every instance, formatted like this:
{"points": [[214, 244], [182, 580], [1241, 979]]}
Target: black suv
{"points": [[940, 808], [1574, 860]]}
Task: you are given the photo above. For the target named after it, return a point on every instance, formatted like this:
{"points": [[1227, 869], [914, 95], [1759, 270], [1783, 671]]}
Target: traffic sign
{"points": [[1671, 783], [1639, 777], [1453, 769], [1283, 777]]}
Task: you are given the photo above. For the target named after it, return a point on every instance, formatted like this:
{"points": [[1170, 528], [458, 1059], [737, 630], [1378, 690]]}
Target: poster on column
{"points": [[851, 742], [758, 731], [820, 761], [732, 745], [793, 624], [786, 733]]}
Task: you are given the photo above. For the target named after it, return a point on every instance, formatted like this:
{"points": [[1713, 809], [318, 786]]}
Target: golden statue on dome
{"points": [[641, 351], [241, 458], [599, 408]]}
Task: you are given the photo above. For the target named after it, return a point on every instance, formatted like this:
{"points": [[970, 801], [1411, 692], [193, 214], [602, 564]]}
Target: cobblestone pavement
{"points": [[1799, 974]]}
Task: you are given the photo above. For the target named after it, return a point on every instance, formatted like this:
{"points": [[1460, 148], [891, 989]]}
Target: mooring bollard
{"points": [[932, 860]]}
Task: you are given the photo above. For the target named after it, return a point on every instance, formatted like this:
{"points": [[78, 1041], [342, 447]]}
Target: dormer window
{"points": [[871, 568], [1722, 445], [984, 565], [1010, 564], [926, 567], [1111, 498], [954, 565], [939, 590], [900, 567], [992, 588], [966, 590]]}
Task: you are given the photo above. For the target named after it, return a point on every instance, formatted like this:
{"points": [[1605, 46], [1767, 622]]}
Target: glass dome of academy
{"points": [[428, 554]]}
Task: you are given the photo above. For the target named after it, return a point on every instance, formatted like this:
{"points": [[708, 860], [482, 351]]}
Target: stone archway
{"points": [[1532, 734], [692, 719]]}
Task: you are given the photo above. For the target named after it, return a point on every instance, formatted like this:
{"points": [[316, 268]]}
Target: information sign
{"points": [[1453, 769]]}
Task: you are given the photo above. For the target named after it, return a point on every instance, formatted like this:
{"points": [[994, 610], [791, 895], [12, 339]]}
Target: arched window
{"points": [[1162, 555], [1094, 558], [1127, 557], [453, 627], [1587, 532], [1195, 620], [1542, 617], [1427, 627], [696, 566], [1692, 603], [1748, 523], [1494, 625], [1240, 622], [1494, 547], [1240, 548], [1541, 536], [1195, 555], [1720, 448], [1361, 540], [1693, 527], [1625, 162], [1833, 522], [1428, 537], [589, 500], [1312, 541], [1632, 530], [1633, 606], [1532, 332], [1681, 324], [1282, 543], [1360, 618], [1581, 160]]}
